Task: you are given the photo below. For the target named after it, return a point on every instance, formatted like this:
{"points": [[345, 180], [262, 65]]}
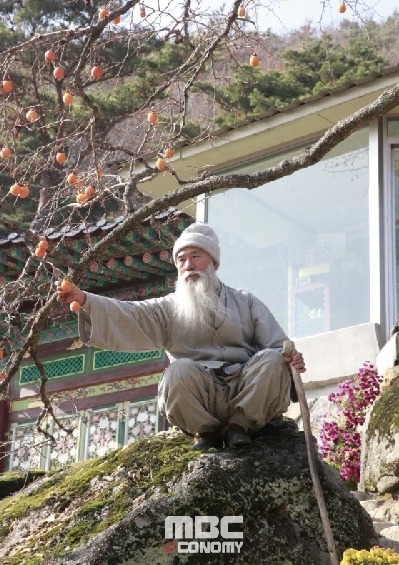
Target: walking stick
{"points": [[289, 351]]}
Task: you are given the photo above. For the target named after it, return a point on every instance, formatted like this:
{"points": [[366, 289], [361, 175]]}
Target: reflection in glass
{"points": [[393, 127]]}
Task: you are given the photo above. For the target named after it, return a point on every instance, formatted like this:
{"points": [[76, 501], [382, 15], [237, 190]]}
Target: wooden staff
{"points": [[289, 351]]}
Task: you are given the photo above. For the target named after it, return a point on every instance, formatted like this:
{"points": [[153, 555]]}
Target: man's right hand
{"points": [[68, 296]]}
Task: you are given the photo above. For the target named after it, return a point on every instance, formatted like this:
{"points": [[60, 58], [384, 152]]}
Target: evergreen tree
{"points": [[321, 64]]}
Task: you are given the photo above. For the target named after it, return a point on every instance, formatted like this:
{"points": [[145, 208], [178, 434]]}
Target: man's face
{"points": [[190, 260]]}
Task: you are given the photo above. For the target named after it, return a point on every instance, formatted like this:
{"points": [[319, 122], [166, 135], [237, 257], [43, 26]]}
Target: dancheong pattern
{"points": [[87, 434]]}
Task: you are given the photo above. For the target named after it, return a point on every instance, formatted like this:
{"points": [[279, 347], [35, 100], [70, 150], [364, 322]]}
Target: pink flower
{"points": [[340, 441]]}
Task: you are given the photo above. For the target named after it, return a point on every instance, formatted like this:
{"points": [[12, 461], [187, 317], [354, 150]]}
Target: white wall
{"points": [[334, 356]]}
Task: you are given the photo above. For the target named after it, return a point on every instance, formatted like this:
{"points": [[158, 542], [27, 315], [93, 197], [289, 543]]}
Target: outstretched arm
{"points": [[108, 323]]}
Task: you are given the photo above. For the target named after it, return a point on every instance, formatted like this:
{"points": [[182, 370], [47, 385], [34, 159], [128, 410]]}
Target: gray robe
{"points": [[244, 341], [243, 326]]}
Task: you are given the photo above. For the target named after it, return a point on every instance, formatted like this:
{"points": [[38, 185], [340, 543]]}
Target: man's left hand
{"points": [[296, 361]]}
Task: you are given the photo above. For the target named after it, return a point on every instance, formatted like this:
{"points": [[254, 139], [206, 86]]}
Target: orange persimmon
{"points": [[96, 72], [58, 73], [152, 117], [49, 56], [23, 191], [67, 98], [254, 60], [43, 244], [66, 285], [103, 13], [60, 157], [160, 164], [81, 198], [72, 178], [15, 189], [90, 191], [74, 306], [6, 152], [169, 152], [31, 115], [7, 86]]}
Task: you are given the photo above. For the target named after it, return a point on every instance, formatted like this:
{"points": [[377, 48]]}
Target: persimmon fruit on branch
{"points": [[60, 157], [67, 98], [49, 56], [6, 153], [74, 306]]}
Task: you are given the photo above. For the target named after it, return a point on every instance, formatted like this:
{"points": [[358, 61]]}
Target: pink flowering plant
{"points": [[339, 440]]}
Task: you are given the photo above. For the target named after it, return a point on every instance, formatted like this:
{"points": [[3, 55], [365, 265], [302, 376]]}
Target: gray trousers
{"points": [[197, 400]]}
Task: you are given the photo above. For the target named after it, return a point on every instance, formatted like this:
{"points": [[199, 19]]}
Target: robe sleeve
{"points": [[268, 333], [108, 323]]}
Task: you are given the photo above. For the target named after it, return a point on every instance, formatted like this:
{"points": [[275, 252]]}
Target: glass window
{"points": [[301, 243], [393, 127], [395, 161]]}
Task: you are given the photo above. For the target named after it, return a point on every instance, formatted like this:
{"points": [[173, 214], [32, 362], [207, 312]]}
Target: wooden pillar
{"points": [[4, 420]]}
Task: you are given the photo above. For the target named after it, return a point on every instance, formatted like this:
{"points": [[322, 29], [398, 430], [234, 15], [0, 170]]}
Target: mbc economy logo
{"points": [[203, 534]]}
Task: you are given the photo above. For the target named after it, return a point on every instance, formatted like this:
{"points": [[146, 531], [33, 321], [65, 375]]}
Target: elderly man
{"points": [[227, 377]]}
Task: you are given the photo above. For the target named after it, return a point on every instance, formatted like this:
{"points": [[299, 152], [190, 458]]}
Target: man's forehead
{"points": [[190, 249]]}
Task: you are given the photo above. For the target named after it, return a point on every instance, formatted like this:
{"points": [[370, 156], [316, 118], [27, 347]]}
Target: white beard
{"points": [[196, 300]]}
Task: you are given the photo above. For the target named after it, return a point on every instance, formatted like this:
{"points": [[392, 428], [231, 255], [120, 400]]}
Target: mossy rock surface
{"points": [[384, 417], [111, 511], [380, 443]]}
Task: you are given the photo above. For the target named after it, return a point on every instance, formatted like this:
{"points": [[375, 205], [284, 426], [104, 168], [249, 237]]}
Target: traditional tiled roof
{"points": [[141, 261]]}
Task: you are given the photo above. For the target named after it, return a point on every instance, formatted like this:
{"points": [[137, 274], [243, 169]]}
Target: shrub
{"points": [[340, 440], [376, 556]]}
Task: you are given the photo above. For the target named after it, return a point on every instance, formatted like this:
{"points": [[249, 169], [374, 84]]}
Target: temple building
{"points": [[107, 398]]}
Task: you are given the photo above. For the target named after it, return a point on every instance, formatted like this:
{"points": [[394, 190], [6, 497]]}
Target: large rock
{"points": [[112, 511], [320, 408]]}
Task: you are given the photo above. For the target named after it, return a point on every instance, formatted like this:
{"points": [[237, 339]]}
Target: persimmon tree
{"points": [[87, 84]]}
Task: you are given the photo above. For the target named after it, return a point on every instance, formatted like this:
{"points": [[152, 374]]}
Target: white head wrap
{"points": [[201, 236]]}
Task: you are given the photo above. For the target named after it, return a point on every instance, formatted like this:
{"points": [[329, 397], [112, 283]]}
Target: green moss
{"points": [[148, 464], [16, 560], [384, 418], [158, 461]]}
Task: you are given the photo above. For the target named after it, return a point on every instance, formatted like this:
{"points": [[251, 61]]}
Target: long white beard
{"points": [[196, 300]]}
